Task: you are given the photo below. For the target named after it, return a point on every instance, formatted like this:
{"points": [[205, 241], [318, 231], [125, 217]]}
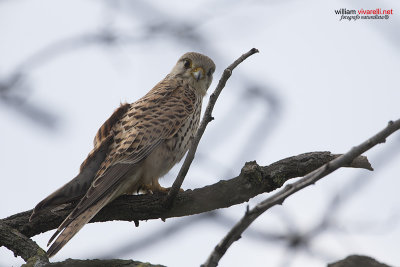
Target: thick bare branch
{"points": [[100, 263], [253, 180], [206, 119], [278, 198], [20, 244]]}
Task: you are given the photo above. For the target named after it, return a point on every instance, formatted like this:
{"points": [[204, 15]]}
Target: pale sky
{"points": [[318, 84]]}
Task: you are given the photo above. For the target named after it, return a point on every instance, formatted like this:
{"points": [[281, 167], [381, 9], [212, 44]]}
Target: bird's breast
{"points": [[172, 150], [180, 143]]}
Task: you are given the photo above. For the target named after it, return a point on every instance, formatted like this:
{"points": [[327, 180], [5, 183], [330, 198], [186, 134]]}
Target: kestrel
{"points": [[136, 146]]}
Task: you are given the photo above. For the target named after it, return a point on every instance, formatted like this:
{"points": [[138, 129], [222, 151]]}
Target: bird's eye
{"points": [[186, 63], [210, 72]]}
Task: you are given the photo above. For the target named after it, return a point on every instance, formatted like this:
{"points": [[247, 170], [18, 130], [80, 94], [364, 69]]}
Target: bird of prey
{"points": [[136, 146]]}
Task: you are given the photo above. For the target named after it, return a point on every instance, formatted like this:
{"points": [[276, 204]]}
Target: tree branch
{"points": [[98, 263], [311, 178], [357, 260], [20, 244], [206, 119], [253, 180]]}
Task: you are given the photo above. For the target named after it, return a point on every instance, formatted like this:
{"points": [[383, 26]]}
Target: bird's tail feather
{"points": [[77, 187], [72, 226], [73, 190]]}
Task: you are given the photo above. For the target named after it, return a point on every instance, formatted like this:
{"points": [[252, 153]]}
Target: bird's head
{"points": [[198, 69]]}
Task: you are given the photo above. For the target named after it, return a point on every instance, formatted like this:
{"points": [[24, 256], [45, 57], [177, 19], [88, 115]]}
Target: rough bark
{"points": [[96, 263], [253, 180]]}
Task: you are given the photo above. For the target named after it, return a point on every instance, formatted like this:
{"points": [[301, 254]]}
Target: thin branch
{"points": [[206, 119], [252, 180], [311, 178]]}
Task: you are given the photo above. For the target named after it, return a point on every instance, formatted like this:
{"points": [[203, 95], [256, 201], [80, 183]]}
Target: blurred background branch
{"points": [[298, 97]]}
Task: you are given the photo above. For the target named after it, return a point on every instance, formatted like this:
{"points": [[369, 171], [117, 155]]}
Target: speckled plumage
{"points": [[136, 146]]}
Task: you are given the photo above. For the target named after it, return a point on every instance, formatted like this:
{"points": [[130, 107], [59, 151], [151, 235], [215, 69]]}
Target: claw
{"points": [[155, 187]]}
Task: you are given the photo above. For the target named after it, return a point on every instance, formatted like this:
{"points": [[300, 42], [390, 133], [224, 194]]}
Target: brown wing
{"points": [[152, 119], [77, 187], [105, 129]]}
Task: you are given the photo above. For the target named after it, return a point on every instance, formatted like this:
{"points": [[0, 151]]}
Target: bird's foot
{"points": [[150, 189]]}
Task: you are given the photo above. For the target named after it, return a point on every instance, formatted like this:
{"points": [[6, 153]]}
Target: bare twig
{"points": [[278, 198], [206, 119]]}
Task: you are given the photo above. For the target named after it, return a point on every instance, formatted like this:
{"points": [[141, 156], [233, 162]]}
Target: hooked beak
{"points": [[198, 74]]}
